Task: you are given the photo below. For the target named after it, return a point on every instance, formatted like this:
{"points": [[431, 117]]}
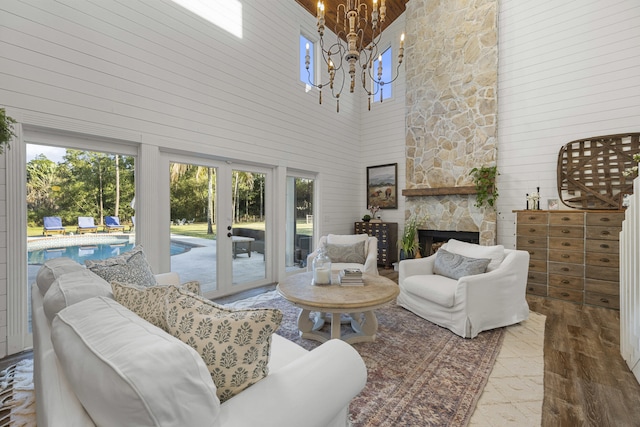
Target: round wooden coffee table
{"points": [[357, 301]]}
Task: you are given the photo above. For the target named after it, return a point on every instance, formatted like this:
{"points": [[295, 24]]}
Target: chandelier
{"points": [[353, 56]]}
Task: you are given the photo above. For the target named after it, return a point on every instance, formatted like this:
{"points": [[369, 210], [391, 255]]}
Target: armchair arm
{"points": [[170, 278], [371, 262], [501, 293], [310, 391], [414, 267]]}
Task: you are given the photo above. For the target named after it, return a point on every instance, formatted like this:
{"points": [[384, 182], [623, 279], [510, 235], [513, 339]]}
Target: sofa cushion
{"points": [[129, 267], [347, 253], [432, 287], [471, 250], [127, 372], [52, 269], [71, 288], [456, 266], [148, 302], [235, 344]]}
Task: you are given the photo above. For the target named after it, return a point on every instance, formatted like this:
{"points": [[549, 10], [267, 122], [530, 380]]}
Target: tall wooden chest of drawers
{"points": [[574, 255], [387, 234]]}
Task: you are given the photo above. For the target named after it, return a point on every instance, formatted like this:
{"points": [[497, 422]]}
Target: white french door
{"points": [[220, 227]]}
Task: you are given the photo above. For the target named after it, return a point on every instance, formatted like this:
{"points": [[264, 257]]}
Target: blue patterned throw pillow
{"points": [[129, 267], [456, 266]]}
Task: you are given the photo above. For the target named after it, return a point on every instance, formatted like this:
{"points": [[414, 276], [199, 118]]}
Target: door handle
{"points": [[228, 234]]}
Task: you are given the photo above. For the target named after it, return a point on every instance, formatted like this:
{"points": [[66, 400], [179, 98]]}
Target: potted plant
{"points": [[6, 129], [409, 244], [366, 218], [484, 179]]}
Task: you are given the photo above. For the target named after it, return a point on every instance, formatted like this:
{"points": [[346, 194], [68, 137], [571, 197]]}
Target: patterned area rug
{"points": [[419, 374]]}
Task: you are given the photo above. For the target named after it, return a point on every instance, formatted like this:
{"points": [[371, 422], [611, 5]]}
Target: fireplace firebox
{"points": [[431, 240]]}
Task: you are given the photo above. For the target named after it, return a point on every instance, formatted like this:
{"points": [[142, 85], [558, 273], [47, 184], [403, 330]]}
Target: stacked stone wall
{"points": [[451, 122]]}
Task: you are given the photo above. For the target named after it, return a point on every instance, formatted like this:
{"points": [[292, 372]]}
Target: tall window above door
{"points": [[306, 49], [382, 92]]}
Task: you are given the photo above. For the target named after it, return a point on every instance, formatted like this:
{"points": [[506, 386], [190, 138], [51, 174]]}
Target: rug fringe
{"points": [[17, 402]]}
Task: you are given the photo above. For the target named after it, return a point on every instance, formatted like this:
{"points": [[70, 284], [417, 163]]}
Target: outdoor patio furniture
{"points": [[112, 224], [86, 225], [52, 225]]}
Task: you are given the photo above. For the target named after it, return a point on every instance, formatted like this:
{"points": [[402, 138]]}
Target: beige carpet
{"points": [[515, 390]]}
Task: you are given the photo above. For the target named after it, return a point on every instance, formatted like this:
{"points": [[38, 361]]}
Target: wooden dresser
{"points": [[387, 234], [574, 255]]}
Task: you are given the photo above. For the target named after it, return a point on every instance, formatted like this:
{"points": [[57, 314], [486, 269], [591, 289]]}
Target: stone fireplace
{"points": [[451, 95]]}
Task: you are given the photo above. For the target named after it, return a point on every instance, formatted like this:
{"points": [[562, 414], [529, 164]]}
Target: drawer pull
{"points": [[565, 269], [531, 277], [531, 241], [532, 230], [604, 259], [566, 256], [565, 231], [564, 294], [604, 246], [605, 219], [566, 244], [605, 233], [532, 218], [565, 282], [566, 218], [604, 300], [532, 252]]}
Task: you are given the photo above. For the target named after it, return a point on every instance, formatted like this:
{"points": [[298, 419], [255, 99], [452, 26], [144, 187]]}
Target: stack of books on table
{"points": [[351, 277]]}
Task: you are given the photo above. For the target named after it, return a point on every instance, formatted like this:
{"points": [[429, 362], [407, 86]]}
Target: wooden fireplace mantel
{"points": [[438, 191]]}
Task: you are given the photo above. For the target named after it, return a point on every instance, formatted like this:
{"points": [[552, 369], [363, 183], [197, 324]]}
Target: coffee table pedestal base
{"points": [[364, 326]]}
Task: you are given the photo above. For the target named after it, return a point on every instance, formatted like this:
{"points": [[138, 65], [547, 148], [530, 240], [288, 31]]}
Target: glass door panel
{"points": [[249, 231], [219, 233]]}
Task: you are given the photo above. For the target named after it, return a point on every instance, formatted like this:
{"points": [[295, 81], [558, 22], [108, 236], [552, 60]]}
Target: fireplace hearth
{"points": [[431, 240]]}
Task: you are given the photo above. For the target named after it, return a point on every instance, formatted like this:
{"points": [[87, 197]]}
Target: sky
{"points": [[54, 154]]}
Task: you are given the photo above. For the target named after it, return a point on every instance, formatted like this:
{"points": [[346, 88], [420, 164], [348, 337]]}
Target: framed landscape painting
{"points": [[382, 186]]}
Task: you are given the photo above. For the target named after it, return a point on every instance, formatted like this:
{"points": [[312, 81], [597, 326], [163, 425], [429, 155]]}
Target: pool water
{"points": [[92, 252]]}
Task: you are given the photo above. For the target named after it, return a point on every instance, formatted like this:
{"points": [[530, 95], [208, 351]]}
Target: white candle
{"points": [[322, 276], [402, 41]]}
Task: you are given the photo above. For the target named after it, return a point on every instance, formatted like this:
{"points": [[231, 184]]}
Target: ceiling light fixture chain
{"points": [[349, 49]]}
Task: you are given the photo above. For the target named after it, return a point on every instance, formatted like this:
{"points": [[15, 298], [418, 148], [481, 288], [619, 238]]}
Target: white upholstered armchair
{"points": [[342, 243], [469, 304]]}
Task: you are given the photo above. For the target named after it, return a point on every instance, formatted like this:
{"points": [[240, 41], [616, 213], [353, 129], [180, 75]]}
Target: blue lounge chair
{"points": [[112, 224], [86, 225], [52, 225]]}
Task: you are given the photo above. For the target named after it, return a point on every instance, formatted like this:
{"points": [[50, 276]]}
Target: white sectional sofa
{"points": [[161, 382]]}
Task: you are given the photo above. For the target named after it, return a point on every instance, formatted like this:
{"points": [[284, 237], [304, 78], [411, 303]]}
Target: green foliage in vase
{"points": [[409, 240], [484, 179], [6, 130]]}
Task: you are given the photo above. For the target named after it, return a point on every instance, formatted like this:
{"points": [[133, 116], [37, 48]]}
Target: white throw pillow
{"points": [[53, 269], [127, 372], [71, 288], [471, 250]]}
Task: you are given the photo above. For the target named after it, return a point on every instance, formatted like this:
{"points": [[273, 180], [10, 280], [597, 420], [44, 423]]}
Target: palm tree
{"points": [[179, 169]]}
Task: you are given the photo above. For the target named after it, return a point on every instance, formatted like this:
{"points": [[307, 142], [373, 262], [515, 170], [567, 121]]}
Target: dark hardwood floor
{"points": [[586, 381]]}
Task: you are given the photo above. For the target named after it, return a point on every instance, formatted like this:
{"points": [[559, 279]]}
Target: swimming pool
{"points": [[80, 253]]}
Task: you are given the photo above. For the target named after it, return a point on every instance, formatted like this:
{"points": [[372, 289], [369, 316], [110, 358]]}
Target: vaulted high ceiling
{"points": [[395, 8]]}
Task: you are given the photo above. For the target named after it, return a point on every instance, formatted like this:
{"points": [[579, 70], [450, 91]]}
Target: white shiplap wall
{"points": [[567, 70], [382, 130]]}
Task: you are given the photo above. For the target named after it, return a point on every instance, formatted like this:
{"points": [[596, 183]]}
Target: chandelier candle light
{"points": [[351, 21]]}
